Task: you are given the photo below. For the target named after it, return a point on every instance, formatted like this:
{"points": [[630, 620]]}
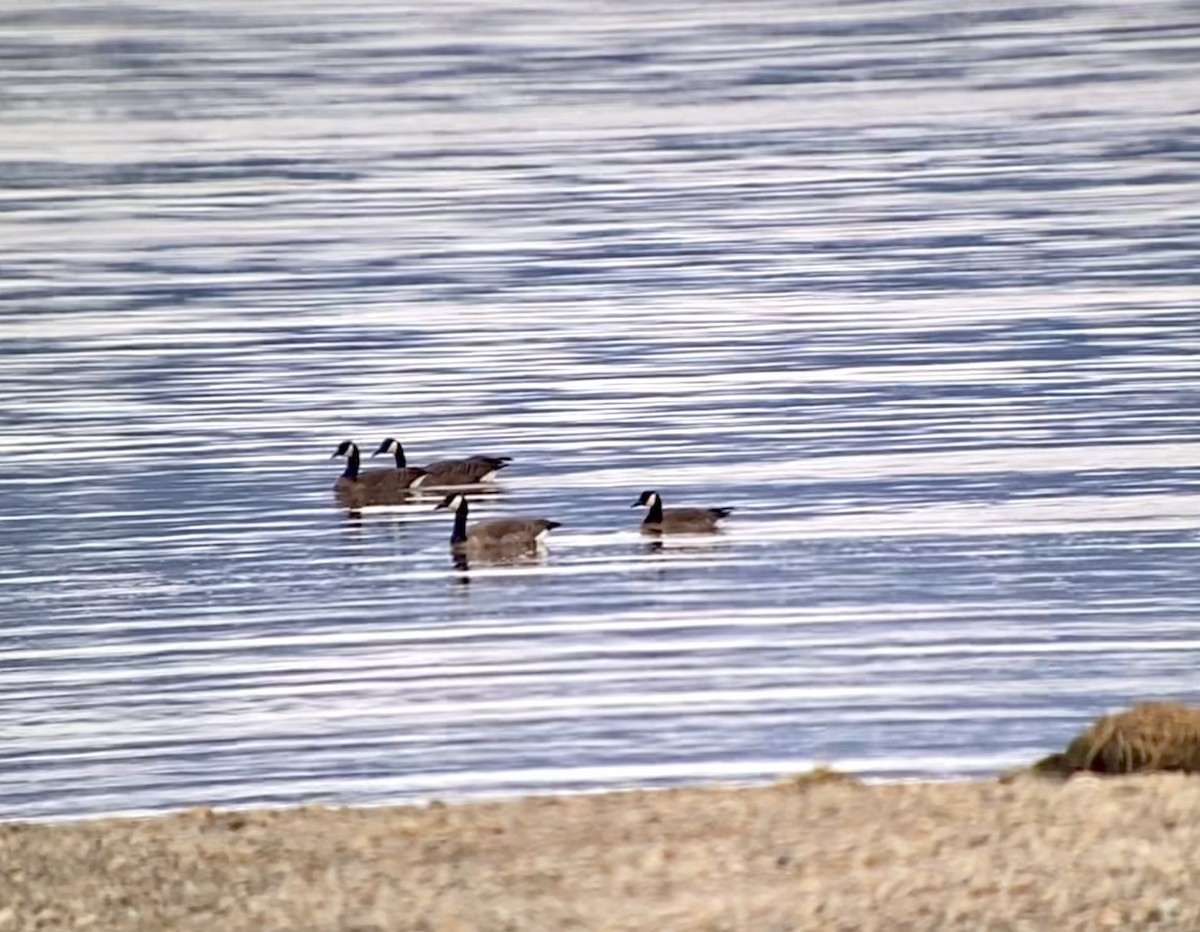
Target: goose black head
{"points": [[391, 445], [452, 502], [648, 500], [345, 448]]}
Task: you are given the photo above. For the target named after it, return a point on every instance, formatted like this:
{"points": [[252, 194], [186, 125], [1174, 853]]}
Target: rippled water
{"points": [[913, 289]]}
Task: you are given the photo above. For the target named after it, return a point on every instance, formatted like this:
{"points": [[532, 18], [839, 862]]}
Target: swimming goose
{"points": [[470, 470], [355, 488], [495, 534], [661, 520]]}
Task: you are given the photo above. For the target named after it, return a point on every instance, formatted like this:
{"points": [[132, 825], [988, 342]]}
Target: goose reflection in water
{"points": [[464, 562], [694, 546]]}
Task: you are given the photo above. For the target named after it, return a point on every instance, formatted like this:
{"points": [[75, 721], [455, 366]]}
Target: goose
{"points": [[470, 470], [355, 489], [661, 520], [496, 534]]}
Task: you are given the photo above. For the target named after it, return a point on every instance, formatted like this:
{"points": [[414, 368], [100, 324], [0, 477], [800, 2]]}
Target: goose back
{"points": [[469, 471]]}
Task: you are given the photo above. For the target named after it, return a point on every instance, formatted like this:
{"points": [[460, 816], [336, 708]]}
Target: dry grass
{"points": [[819, 776], [811, 855], [1154, 736]]}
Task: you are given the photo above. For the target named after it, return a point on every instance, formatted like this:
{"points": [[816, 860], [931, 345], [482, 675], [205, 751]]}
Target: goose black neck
{"points": [[459, 534], [654, 515], [401, 459], [351, 464]]}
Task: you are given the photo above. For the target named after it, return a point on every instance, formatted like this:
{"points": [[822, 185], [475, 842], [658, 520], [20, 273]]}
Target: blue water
{"points": [[914, 289]]}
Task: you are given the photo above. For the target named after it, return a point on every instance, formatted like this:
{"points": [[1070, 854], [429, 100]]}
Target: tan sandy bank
{"points": [[1090, 853]]}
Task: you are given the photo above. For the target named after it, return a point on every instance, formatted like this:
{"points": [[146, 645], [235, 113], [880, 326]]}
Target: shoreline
{"points": [[821, 851], [481, 799]]}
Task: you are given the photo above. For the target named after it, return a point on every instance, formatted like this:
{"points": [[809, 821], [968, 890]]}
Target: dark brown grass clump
{"points": [[1153, 736], [820, 776]]}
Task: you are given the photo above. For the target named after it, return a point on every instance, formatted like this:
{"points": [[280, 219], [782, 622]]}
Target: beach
{"points": [[818, 852]]}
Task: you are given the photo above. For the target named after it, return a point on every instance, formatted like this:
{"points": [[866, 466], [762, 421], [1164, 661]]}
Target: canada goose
{"points": [[661, 520], [470, 470], [496, 534], [355, 489]]}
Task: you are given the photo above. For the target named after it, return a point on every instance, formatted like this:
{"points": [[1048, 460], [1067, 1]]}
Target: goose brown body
{"points": [[469, 470], [660, 520], [495, 534], [356, 488]]}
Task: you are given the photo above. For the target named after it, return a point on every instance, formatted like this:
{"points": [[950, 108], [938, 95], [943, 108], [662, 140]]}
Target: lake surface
{"points": [[915, 290]]}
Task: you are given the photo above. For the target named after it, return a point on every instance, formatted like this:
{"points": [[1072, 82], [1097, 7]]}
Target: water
{"points": [[913, 289]]}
